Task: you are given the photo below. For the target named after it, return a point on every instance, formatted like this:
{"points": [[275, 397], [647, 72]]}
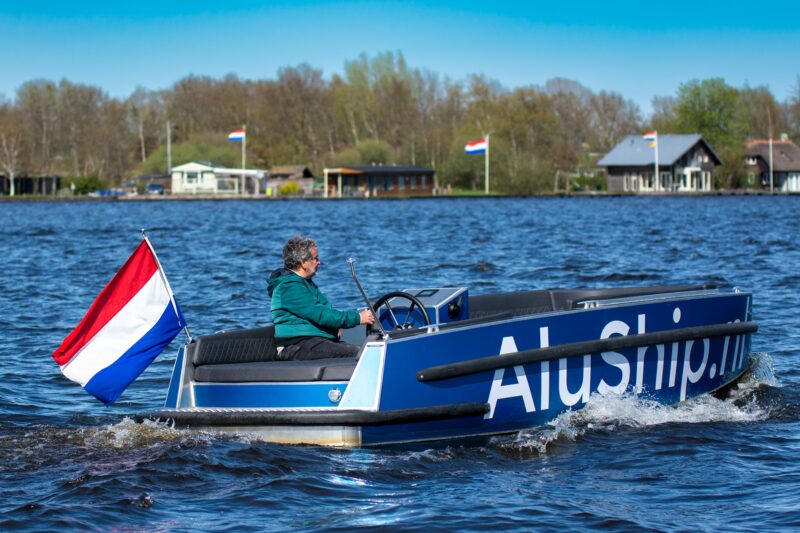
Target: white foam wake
{"points": [[611, 411]]}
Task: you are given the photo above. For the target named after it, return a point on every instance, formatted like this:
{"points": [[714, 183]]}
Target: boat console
{"points": [[444, 304]]}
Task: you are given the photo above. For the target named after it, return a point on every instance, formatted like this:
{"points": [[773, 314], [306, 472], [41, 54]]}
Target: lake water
{"points": [[69, 463]]}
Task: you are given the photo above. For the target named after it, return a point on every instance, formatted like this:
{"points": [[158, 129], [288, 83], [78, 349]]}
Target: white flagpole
{"points": [[244, 148], [169, 150], [244, 144], [657, 179], [166, 282], [487, 164]]}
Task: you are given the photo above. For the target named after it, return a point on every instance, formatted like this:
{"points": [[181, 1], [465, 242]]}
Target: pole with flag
{"points": [[240, 135], [127, 326], [652, 136], [481, 146]]}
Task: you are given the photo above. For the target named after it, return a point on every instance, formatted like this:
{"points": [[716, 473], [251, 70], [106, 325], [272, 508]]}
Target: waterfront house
{"points": [[205, 178], [686, 163], [290, 179], [785, 157], [370, 181]]}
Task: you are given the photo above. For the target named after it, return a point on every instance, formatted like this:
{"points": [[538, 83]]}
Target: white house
{"points": [[204, 178]]}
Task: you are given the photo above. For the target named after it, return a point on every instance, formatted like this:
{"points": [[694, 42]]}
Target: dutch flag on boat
{"points": [[130, 322], [477, 147], [236, 135]]}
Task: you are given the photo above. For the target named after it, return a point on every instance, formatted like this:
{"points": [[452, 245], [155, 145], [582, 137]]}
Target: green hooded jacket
{"points": [[299, 309]]}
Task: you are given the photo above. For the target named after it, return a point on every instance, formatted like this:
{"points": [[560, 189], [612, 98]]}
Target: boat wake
{"points": [[744, 402]]}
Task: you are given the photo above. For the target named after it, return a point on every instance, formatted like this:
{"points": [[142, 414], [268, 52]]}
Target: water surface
{"points": [[67, 462]]}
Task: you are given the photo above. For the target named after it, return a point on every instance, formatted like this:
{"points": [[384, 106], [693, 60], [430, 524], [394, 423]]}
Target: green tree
{"points": [[347, 157], [375, 152], [761, 112], [713, 109]]}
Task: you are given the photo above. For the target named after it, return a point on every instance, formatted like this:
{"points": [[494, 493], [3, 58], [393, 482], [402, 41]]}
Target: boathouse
{"points": [[370, 181], [785, 158], [686, 163], [205, 178]]}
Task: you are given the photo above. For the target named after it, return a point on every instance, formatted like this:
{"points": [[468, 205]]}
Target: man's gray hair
{"points": [[297, 250]]}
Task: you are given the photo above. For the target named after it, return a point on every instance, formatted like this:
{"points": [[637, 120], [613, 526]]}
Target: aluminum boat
{"points": [[444, 363]]}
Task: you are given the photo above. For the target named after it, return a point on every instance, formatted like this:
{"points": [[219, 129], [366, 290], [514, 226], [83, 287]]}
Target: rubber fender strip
{"points": [[349, 417], [493, 362]]}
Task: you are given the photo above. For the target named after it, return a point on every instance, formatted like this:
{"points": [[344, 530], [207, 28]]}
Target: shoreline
{"points": [[264, 198]]}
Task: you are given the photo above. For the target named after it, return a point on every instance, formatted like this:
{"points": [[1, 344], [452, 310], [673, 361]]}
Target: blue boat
{"points": [[445, 364]]}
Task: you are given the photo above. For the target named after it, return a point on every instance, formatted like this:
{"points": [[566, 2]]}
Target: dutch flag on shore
{"points": [[130, 322], [236, 135], [477, 147]]}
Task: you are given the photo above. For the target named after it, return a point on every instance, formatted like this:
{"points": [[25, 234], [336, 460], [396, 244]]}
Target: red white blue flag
{"points": [[477, 147], [236, 135], [130, 322]]}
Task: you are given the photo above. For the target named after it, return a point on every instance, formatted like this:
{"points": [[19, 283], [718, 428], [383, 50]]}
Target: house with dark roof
{"points": [[686, 163], [290, 180], [784, 156], [370, 181]]}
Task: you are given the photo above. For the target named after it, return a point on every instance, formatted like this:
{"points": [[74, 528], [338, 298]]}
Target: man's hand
{"points": [[367, 317]]}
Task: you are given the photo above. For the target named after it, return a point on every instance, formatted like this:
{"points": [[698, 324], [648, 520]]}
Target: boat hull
{"points": [[492, 377]]}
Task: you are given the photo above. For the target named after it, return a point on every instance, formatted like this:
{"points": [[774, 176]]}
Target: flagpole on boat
{"points": [[166, 282]]}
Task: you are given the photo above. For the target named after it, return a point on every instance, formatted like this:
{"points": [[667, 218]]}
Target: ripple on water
{"points": [[67, 462]]}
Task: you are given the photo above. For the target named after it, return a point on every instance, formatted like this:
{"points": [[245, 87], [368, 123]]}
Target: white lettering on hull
{"points": [[615, 359], [512, 390], [544, 342], [681, 375], [690, 375]]}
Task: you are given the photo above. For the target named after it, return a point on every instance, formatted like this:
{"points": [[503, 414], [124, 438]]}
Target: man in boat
{"points": [[306, 324]]}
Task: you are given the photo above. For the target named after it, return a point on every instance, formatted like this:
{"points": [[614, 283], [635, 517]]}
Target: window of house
{"points": [[666, 180], [412, 183], [191, 178], [401, 183], [387, 183], [424, 182]]}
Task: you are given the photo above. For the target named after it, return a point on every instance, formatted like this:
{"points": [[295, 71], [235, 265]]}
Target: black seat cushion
{"points": [[517, 303], [238, 346], [277, 371]]}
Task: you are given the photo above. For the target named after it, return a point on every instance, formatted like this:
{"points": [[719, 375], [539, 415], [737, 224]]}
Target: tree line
{"points": [[379, 110]]}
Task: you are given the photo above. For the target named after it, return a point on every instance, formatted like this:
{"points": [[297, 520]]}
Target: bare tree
{"points": [[11, 144], [38, 104]]}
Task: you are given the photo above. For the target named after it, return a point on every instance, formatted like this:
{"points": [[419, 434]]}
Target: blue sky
{"points": [[638, 49]]}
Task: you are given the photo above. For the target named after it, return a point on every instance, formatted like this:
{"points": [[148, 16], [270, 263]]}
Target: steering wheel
{"points": [[408, 322]]}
